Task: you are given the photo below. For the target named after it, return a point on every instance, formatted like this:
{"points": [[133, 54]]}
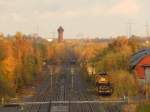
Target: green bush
{"points": [[29, 69], [143, 108], [5, 87], [124, 83]]}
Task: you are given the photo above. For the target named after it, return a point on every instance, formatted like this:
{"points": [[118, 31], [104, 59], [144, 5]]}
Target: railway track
{"points": [[60, 93], [79, 93], [84, 96], [62, 90], [45, 94]]}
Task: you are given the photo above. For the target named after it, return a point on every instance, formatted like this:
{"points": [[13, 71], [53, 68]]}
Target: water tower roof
{"points": [[60, 28]]}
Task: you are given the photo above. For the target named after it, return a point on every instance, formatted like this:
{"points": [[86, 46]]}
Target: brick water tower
{"points": [[60, 34]]}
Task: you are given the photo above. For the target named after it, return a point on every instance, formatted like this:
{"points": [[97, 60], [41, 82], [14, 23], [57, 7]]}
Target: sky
{"points": [[79, 18]]}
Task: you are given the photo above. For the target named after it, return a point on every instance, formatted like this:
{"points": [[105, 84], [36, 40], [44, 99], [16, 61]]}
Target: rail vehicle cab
{"points": [[103, 84], [102, 78]]}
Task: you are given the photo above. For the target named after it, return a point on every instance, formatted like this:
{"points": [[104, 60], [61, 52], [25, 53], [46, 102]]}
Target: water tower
{"points": [[60, 34]]}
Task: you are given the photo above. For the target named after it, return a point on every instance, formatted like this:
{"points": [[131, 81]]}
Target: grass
{"points": [[143, 108]]}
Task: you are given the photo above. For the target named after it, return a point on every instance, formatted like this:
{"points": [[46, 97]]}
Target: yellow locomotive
{"points": [[103, 84]]}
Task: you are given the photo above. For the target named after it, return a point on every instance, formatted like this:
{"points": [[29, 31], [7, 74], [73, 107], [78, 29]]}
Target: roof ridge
{"points": [[137, 57]]}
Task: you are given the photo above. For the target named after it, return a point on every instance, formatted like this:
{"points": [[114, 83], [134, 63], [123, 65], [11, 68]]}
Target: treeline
{"points": [[113, 57], [22, 58], [21, 61]]}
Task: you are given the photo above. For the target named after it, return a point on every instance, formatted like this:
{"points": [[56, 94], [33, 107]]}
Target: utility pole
{"points": [[51, 74], [72, 78], [37, 29], [129, 28], [147, 28]]}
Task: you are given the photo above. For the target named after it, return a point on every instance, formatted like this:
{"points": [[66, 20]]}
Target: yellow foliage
{"points": [[9, 65]]}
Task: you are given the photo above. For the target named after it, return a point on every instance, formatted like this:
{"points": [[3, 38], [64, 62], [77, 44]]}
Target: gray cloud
{"points": [[76, 15]]}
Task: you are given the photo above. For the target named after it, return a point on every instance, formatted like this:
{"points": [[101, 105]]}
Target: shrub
{"points": [[124, 83]]}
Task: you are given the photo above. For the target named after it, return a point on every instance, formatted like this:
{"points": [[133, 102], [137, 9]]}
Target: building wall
{"points": [[139, 69], [60, 36]]}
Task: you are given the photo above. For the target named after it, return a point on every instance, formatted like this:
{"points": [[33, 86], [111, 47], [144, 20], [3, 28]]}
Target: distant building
{"points": [[140, 62], [35, 35], [49, 39], [1, 34], [60, 34]]}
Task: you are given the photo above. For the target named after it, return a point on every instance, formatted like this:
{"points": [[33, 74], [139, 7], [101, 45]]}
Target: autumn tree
{"points": [[116, 56], [135, 43]]}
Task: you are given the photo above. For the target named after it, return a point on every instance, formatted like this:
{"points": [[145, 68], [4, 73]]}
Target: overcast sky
{"points": [[93, 18]]}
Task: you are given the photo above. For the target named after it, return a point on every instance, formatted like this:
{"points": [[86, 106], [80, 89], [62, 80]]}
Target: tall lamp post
{"points": [[72, 77], [51, 74]]}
